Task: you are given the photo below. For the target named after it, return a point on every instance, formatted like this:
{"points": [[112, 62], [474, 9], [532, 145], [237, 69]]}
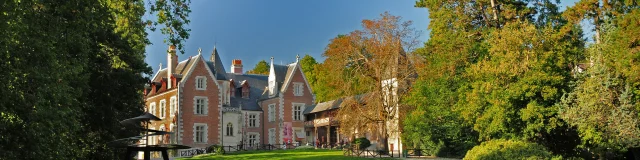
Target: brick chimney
{"points": [[236, 66], [172, 61]]}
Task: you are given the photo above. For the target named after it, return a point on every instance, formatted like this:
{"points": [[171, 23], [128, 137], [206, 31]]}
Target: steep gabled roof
{"points": [[216, 66], [181, 69]]}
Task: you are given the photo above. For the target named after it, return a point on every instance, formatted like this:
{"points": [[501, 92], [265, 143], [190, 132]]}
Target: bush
{"points": [[215, 149], [508, 149], [305, 147], [362, 143]]}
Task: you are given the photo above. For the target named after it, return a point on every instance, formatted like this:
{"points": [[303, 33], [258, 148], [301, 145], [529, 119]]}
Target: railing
{"points": [[415, 153], [354, 152]]}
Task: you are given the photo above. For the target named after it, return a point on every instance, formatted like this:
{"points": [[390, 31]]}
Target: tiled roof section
{"points": [[181, 69], [335, 104], [257, 84], [281, 72]]}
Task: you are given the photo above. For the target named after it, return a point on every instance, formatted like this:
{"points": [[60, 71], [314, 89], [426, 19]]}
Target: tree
{"points": [[308, 65], [498, 67], [375, 61], [73, 70], [603, 105], [261, 68]]}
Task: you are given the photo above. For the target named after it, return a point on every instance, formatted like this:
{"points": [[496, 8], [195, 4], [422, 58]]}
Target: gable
{"points": [[296, 75]]}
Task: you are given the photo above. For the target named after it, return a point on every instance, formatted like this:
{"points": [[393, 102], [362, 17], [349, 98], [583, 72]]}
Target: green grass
{"points": [[310, 154]]}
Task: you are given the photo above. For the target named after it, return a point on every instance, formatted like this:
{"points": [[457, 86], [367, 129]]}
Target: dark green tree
{"points": [[73, 69], [261, 68]]}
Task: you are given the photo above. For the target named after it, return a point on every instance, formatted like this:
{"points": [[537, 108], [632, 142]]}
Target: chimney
{"points": [[172, 62], [236, 66]]}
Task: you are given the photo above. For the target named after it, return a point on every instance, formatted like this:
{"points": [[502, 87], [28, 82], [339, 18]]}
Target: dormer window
{"points": [[245, 92]]}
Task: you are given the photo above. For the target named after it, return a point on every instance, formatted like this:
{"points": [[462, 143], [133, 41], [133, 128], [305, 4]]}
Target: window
{"points": [[308, 133], [252, 139], [200, 105], [252, 120], [229, 129], [297, 89], [152, 108], [272, 136], [172, 106], [200, 133], [272, 112], [297, 111], [151, 139], [163, 108], [161, 137], [201, 83], [245, 92]]}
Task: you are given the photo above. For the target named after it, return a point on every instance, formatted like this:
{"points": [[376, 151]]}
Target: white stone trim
{"points": [[257, 114], [293, 109], [204, 83], [298, 86], [271, 117], [163, 108], [281, 118], [271, 133], [152, 108], [257, 134], [206, 105], [173, 106], [205, 134]]}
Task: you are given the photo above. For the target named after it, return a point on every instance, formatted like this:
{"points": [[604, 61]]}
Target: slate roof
{"points": [[216, 66], [257, 84]]}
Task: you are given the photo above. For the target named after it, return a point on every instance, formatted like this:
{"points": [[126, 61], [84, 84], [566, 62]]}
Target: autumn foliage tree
{"points": [[372, 68]]}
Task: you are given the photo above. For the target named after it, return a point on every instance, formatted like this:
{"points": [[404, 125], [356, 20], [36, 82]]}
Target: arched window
{"points": [[229, 129]]}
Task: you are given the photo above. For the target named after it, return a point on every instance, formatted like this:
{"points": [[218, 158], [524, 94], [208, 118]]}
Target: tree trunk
{"points": [[383, 141], [494, 8], [596, 22]]}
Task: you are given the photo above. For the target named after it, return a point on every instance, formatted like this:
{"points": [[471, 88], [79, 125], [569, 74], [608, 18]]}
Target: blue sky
{"points": [[254, 30]]}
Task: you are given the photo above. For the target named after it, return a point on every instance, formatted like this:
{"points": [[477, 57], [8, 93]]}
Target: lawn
{"points": [[281, 154]]}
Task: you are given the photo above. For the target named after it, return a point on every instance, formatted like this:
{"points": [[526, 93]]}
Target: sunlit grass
{"points": [[309, 154]]}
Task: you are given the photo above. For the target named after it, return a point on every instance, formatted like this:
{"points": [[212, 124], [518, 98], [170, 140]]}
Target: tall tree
{"points": [[497, 65], [603, 106], [261, 68], [74, 70], [308, 65], [376, 61]]}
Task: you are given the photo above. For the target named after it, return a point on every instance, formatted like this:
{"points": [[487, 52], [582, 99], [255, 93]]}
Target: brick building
{"points": [[203, 105]]}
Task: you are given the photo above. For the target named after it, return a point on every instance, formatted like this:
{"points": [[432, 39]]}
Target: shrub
{"points": [[508, 149], [362, 143], [305, 147], [215, 149]]}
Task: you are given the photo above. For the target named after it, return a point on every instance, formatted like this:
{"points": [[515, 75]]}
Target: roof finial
{"points": [[297, 57], [160, 66], [199, 50], [271, 59]]}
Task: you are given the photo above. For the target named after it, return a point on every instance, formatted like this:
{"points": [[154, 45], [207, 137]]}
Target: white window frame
{"points": [[152, 139], [229, 129], [163, 108], [204, 108], [253, 120], [300, 114], [272, 112], [200, 138], [201, 83], [172, 106], [298, 89], [252, 139], [152, 108], [272, 136]]}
